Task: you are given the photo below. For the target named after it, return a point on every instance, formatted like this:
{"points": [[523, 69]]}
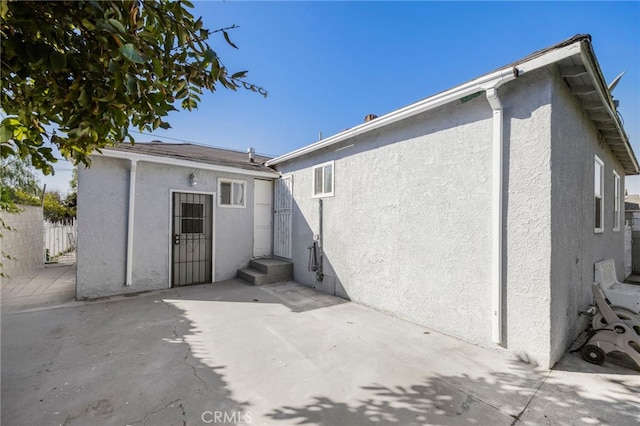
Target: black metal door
{"points": [[192, 238]]}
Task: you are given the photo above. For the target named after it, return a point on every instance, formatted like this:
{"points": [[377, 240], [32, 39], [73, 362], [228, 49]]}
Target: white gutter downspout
{"points": [[498, 216], [132, 197]]}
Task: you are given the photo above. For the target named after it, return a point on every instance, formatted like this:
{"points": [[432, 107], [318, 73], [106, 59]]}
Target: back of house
{"points": [[479, 211]]}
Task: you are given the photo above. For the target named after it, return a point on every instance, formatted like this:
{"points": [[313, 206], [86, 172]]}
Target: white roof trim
{"points": [[482, 83], [185, 163], [603, 93]]}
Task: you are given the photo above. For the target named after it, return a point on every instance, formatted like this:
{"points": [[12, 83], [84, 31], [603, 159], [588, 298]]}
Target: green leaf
{"points": [[88, 24], [157, 67], [209, 56], [215, 69], [117, 25], [240, 74], [5, 134], [113, 67], [226, 37], [189, 104], [130, 52]]}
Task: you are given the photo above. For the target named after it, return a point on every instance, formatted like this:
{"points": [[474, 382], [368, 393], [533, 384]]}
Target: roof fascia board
{"points": [[492, 80], [593, 70], [185, 163]]}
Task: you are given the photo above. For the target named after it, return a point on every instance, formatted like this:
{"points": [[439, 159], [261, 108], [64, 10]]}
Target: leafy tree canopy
{"points": [[18, 184], [90, 70]]}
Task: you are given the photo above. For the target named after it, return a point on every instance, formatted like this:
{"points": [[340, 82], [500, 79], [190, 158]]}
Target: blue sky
{"points": [[327, 65]]}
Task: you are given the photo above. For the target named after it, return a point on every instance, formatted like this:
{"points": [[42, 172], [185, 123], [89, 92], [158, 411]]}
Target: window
{"points": [[616, 201], [192, 218], [598, 174], [323, 180], [231, 193]]}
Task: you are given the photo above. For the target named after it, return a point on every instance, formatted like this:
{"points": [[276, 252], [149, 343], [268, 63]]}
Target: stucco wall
{"points": [[25, 242], [409, 229], [527, 209], [575, 245], [102, 226]]}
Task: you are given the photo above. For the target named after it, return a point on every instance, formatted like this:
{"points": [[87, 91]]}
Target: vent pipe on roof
{"points": [[252, 153]]}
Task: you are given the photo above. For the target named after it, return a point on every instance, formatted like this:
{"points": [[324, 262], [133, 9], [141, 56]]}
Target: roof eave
{"points": [[628, 159], [579, 45], [127, 155], [479, 84]]}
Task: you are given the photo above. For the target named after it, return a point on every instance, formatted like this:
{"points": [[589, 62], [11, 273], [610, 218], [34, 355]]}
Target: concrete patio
{"points": [[277, 354]]}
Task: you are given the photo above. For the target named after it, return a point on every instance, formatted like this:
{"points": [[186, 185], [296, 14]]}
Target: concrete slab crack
{"points": [[151, 413], [195, 371], [188, 351], [184, 414], [516, 418]]}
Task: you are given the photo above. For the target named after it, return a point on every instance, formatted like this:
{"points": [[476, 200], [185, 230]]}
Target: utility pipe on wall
{"points": [[132, 198], [320, 271], [497, 216]]}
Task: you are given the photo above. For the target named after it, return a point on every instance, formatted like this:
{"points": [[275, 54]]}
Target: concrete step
{"points": [[267, 271], [253, 276], [277, 269]]}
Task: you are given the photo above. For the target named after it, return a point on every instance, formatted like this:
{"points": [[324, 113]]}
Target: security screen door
{"points": [[192, 238]]}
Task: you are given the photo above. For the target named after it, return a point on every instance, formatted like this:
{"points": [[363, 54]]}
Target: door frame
{"points": [[213, 231], [289, 223], [255, 210]]}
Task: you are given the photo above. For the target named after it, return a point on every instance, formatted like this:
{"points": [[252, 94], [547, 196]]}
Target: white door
{"points": [[262, 229], [282, 217]]}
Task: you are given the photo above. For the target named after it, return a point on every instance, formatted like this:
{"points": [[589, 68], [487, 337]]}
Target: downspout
{"points": [[132, 198], [320, 271], [497, 248]]}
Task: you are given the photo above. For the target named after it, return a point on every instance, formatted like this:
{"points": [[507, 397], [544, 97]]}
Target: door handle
{"points": [[176, 239]]}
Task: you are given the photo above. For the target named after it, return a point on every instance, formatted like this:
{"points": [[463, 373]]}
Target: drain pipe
{"points": [[320, 271], [132, 198], [498, 216]]}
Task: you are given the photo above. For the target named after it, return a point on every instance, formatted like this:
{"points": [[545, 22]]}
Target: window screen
{"points": [[192, 218]]}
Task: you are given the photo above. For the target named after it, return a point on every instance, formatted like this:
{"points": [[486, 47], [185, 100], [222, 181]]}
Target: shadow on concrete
{"points": [[122, 362], [296, 297], [455, 400]]}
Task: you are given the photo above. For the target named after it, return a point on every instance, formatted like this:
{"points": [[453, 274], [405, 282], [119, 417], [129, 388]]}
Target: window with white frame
{"points": [[323, 180], [231, 193], [616, 201], [598, 185]]}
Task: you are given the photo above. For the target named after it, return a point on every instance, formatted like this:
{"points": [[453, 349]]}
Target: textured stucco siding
{"points": [[575, 245], [101, 254], [527, 209], [102, 226], [24, 241], [409, 229]]}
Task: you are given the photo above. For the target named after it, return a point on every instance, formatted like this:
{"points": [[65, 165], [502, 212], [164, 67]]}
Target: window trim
{"points": [[333, 180], [244, 195], [616, 201], [600, 163]]}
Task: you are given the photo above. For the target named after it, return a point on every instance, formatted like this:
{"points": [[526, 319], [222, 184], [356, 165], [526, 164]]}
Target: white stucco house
{"points": [[156, 215], [478, 212]]}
